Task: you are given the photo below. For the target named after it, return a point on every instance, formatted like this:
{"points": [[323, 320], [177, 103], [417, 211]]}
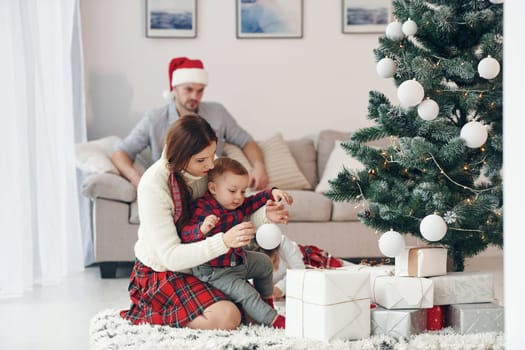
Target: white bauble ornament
{"points": [[268, 236], [488, 68], [410, 93], [386, 67], [433, 228], [394, 31], [428, 109], [496, 1], [474, 133], [391, 243], [409, 27]]}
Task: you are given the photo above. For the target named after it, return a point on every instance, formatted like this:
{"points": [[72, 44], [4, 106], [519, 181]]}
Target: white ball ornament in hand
{"points": [[488, 68], [474, 133], [394, 31], [386, 67], [433, 228], [409, 27], [391, 243], [410, 93], [428, 109], [268, 236], [496, 1]]}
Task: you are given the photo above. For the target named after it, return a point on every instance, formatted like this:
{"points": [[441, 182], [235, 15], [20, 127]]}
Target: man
{"points": [[188, 79]]}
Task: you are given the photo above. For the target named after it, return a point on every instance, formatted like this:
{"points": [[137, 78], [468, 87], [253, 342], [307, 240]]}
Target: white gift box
{"points": [[327, 304], [463, 288], [374, 271], [398, 323], [422, 262], [393, 292]]}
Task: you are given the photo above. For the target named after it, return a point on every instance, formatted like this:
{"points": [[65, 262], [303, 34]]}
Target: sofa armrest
{"points": [[109, 186]]}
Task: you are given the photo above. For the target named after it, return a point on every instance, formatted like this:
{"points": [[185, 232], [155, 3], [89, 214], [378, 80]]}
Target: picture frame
{"points": [[171, 18], [256, 19], [365, 16]]}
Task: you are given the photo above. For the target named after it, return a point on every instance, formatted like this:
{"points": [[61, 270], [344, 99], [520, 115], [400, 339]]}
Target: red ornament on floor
{"points": [[435, 318]]}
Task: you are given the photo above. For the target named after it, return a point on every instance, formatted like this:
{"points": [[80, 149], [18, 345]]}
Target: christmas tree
{"points": [[440, 177]]}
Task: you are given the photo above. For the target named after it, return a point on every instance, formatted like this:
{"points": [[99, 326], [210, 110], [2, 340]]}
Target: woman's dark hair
{"points": [[189, 135]]}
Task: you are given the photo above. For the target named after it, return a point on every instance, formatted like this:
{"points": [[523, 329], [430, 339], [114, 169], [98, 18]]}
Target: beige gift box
{"points": [[422, 262], [327, 304], [392, 292]]}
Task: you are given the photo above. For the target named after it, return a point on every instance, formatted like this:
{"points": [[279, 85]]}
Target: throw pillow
{"points": [[335, 163], [95, 156], [281, 167]]}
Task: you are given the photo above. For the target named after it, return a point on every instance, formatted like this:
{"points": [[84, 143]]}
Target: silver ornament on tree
{"points": [[410, 93], [386, 67], [428, 109], [409, 27], [474, 133], [488, 68], [433, 228], [391, 243], [394, 31]]}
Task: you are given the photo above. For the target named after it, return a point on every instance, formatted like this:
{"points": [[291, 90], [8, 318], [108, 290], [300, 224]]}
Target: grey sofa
{"points": [[314, 219]]}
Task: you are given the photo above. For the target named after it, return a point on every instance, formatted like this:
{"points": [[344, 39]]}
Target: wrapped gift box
{"points": [[476, 318], [435, 318], [398, 323], [393, 292], [327, 304], [463, 287], [422, 262], [374, 271]]}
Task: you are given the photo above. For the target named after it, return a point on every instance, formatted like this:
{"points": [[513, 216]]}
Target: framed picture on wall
{"points": [[269, 19], [171, 18], [366, 16]]}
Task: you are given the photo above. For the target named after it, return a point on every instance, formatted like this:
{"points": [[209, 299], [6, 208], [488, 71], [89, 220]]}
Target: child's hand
{"points": [[209, 222], [280, 195], [277, 293]]}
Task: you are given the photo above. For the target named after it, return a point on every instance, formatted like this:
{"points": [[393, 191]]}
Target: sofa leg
{"points": [[108, 269]]}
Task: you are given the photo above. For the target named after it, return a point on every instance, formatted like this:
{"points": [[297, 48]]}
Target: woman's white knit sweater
{"points": [[159, 245]]}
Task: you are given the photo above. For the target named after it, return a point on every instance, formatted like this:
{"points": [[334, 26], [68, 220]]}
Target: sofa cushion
{"points": [[345, 211], [134, 213], [281, 167], [338, 160], [325, 144], [304, 152], [109, 186], [309, 206], [95, 156]]}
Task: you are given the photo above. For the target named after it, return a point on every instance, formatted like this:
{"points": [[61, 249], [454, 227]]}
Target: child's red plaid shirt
{"points": [[208, 205]]}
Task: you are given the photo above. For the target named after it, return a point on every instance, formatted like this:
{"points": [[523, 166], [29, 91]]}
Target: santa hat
{"points": [[184, 70]]}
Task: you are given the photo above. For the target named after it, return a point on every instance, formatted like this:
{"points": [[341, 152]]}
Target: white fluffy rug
{"points": [[109, 331]]}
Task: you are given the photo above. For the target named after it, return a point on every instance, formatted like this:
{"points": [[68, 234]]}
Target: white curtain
{"points": [[40, 240]]}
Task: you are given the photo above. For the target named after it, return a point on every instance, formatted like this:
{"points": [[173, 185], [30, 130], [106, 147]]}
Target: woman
{"points": [[162, 290]]}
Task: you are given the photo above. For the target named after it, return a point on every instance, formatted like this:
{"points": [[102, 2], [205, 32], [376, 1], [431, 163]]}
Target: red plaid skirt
{"points": [[167, 298]]}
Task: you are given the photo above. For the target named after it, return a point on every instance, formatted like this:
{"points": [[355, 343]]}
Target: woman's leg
{"points": [[221, 315]]}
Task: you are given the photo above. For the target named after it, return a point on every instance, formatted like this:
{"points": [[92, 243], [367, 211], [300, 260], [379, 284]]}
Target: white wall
{"points": [[296, 86]]}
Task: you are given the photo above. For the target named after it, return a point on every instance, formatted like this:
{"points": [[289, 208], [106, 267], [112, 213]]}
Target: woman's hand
{"points": [[239, 235], [276, 212]]}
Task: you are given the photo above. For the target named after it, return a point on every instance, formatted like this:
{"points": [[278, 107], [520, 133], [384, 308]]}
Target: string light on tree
{"points": [[428, 109], [474, 133], [410, 93], [386, 67], [433, 228], [391, 243], [409, 27], [394, 31], [488, 68]]}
